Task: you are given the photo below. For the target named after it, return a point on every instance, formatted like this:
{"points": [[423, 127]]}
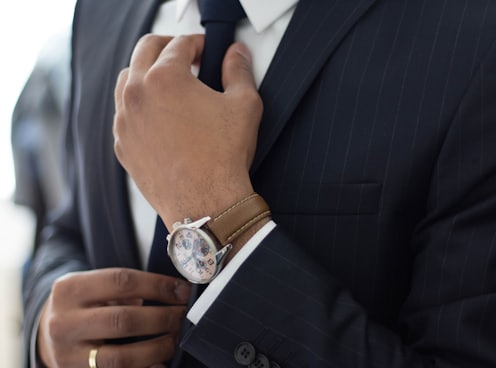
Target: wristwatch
{"points": [[198, 248]]}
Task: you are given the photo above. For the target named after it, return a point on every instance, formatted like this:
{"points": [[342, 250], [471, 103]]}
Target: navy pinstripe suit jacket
{"points": [[377, 155]]}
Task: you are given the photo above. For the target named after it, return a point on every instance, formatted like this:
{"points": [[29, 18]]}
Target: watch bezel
{"points": [[207, 237]]}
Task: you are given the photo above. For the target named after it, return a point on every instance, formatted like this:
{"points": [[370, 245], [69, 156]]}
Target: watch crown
{"points": [[187, 221], [168, 237]]}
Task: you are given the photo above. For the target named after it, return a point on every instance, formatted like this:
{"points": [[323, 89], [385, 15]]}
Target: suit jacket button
{"points": [[260, 361], [244, 353]]}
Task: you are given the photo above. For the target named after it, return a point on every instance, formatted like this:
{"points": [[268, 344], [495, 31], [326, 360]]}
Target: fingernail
{"points": [[182, 291]]}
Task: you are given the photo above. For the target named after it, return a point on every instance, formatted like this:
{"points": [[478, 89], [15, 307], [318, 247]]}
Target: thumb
{"points": [[237, 68]]}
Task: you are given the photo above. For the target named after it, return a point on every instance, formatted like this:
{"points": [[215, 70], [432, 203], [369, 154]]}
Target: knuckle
{"points": [[184, 39], [250, 101], [116, 360], [157, 75], [62, 357], [118, 127], [122, 321], [59, 289], [161, 77], [173, 319], [235, 63], [123, 279], [132, 94], [57, 329], [251, 97], [119, 152], [149, 39], [64, 287], [119, 132], [123, 74], [165, 288]]}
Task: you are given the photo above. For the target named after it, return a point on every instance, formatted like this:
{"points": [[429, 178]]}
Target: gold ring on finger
{"points": [[92, 358]]}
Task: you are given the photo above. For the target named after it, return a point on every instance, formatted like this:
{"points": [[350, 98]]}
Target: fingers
{"points": [[129, 321], [237, 69], [137, 355], [119, 88], [144, 55], [182, 51], [147, 51], [148, 353], [150, 56], [114, 284], [95, 306]]}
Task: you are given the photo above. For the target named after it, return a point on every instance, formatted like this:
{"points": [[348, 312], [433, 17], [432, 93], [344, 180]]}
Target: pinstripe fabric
{"points": [[376, 154], [384, 181]]}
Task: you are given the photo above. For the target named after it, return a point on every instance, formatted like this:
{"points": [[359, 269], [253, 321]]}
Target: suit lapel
{"points": [[316, 29], [134, 22]]}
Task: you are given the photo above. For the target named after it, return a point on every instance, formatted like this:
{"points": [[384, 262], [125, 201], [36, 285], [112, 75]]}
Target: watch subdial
{"points": [[204, 261]]}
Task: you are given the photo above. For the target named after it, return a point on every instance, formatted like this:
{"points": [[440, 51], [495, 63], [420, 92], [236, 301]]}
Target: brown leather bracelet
{"points": [[238, 218]]}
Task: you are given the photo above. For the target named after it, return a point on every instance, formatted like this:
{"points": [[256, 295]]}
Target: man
{"points": [[374, 153]]}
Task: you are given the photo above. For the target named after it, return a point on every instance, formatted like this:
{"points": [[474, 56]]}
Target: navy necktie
{"points": [[219, 17]]}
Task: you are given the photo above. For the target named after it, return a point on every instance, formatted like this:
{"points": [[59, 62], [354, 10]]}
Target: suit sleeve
{"points": [[293, 311], [60, 250]]}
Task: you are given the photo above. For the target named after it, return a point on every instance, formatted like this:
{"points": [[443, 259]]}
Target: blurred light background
{"points": [[25, 26]]}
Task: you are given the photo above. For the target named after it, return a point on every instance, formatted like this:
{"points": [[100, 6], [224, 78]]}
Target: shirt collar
{"points": [[260, 13]]}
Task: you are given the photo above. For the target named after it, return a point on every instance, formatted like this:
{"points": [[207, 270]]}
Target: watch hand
{"points": [[186, 261]]}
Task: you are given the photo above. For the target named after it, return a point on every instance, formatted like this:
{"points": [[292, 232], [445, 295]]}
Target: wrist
{"points": [[200, 248], [208, 201]]}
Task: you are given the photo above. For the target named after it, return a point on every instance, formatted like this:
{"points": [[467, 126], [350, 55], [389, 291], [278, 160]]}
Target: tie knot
{"points": [[225, 11]]}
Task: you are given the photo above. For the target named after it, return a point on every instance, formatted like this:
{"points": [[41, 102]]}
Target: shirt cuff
{"points": [[217, 285]]}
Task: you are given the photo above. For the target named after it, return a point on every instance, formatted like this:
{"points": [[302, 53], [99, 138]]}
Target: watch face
{"points": [[193, 254]]}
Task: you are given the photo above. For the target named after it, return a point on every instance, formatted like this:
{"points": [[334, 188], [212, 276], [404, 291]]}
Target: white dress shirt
{"points": [[262, 32]]}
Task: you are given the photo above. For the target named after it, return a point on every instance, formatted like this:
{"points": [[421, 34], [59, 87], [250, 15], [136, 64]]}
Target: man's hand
{"points": [[85, 309], [188, 147]]}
